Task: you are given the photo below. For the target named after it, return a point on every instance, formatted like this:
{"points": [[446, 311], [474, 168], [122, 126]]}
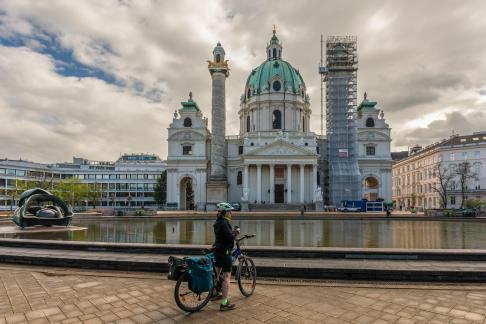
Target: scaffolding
{"points": [[340, 76]]}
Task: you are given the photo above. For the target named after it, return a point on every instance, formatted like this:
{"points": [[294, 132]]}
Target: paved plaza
{"points": [[56, 295]]}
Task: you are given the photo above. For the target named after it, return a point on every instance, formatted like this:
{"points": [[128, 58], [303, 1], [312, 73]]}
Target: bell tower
{"points": [[217, 184]]}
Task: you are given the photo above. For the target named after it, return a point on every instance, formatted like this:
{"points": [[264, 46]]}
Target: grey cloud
{"points": [[456, 122], [420, 60]]}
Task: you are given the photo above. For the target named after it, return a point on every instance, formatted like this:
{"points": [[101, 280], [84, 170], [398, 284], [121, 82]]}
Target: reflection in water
{"points": [[308, 233]]}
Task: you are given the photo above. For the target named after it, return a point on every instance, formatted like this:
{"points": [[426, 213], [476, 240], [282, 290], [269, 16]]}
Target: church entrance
{"points": [[186, 194], [371, 186], [279, 193]]}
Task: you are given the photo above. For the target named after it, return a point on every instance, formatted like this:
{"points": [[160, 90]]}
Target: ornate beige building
{"points": [[414, 177]]}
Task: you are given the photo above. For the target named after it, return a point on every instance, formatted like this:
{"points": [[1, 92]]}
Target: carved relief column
{"points": [[272, 183], [289, 183], [259, 183], [314, 182], [302, 168]]}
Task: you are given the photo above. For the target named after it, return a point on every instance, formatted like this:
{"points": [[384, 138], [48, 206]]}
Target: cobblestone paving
{"points": [[48, 295]]}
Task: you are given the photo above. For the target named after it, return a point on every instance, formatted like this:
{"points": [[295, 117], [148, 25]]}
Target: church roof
{"points": [[366, 104], [260, 78], [189, 105]]}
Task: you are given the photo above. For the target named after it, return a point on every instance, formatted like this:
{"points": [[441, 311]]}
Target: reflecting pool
{"points": [[303, 233]]}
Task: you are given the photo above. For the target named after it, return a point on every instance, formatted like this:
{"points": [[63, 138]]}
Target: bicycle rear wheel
{"points": [[246, 276], [186, 299]]}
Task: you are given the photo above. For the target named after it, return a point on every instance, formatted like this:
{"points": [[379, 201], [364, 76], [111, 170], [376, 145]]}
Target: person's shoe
{"points": [[227, 307]]}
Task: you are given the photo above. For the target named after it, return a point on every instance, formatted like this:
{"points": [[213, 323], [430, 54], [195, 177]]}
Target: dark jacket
{"points": [[223, 232]]}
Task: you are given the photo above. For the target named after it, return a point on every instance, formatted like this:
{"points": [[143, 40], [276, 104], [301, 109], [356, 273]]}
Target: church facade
{"points": [[274, 161]]}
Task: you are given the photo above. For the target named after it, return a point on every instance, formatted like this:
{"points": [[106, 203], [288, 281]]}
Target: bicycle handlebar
{"points": [[246, 236]]}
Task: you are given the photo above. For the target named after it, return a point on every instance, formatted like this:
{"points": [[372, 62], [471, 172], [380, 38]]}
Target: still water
{"points": [[308, 233]]}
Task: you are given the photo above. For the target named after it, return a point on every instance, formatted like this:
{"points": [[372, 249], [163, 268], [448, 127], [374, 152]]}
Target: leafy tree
{"points": [[465, 174], [71, 191], [444, 177], [94, 193], [189, 195], [474, 203], [160, 189]]}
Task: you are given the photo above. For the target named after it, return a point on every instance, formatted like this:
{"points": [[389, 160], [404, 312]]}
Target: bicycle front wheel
{"points": [[186, 299], [246, 276]]}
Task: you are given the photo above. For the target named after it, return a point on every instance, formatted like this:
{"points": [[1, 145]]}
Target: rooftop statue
{"points": [[40, 207]]}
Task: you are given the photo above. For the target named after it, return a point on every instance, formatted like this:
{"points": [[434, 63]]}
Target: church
{"points": [[276, 161]]}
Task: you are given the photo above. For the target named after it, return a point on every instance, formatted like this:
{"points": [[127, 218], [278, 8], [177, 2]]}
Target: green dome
{"points": [[260, 79]]}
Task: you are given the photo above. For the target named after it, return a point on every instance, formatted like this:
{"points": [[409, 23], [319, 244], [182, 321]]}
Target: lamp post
{"points": [[129, 199]]}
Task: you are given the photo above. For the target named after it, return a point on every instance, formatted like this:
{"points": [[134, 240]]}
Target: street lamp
{"points": [[129, 199]]}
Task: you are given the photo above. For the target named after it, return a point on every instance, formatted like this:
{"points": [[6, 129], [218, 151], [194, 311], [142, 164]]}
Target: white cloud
{"points": [[418, 65]]}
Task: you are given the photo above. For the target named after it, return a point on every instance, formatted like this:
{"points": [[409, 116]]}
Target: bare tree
{"points": [[465, 174], [444, 177]]}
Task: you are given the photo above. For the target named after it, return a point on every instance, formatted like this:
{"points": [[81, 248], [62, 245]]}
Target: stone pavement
{"points": [[56, 295]]}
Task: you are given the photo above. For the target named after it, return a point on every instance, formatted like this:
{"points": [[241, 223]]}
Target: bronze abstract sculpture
{"points": [[40, 207]]}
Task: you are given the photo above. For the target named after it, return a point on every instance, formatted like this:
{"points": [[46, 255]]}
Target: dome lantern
{"points": [[274, 48]]}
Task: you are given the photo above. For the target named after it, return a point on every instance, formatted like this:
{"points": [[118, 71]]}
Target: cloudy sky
{"points": [[99, 78]]}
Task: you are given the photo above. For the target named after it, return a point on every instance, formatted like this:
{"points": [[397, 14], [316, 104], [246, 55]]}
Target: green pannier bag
{"points": [[175, 268], [200, 274]]}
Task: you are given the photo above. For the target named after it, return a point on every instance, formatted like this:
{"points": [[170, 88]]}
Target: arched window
{"points": [[249, 93], [274, 53], [187, 122], [303, 124], [239, 178], [370, 122], [248, 123], [218, 58], [277, 85], [277, 119], [279, 54]]}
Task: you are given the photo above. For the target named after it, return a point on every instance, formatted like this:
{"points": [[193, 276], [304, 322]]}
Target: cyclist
{"points": [[223, 246]]}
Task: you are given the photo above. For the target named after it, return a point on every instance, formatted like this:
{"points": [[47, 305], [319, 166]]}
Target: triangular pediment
{"points": [[373, 136], [281, 148]]}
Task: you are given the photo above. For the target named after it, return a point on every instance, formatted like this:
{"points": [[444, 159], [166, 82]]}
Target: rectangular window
{"points": [[106, 177], [112, 176], [2, 171], [186, 150], [140, 176], [20, 173], [453, 200], [99, 176], [477, 154], [464, 155], [240, 150], [370, 150], [11, 172], [122, 176], [452, 157]]}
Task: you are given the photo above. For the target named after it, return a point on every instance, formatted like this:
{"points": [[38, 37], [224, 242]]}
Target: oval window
{"points": [[187, 122], [277, 86]]}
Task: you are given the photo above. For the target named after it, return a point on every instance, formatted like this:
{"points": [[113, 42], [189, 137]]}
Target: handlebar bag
{"points": [[200, 274], [175, 268]]}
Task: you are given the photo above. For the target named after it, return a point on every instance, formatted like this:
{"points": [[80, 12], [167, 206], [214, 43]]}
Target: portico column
{"points": [[302, 183], [259, 183], [314, 181], [289, 183], [272, 183]]}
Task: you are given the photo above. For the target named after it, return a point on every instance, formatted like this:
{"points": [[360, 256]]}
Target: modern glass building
{"points": [[127, 183]]}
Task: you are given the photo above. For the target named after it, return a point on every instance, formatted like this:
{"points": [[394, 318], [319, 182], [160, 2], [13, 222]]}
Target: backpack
{"points": [[200, 274], [175, 268]]}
